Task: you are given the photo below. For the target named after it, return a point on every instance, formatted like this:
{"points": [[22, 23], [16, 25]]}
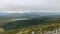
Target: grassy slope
{"points": [[48, 26]]}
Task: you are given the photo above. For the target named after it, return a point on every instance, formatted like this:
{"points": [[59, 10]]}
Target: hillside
{"points": [[34, 24], [25, 23], [43, 27], [40, 24]]}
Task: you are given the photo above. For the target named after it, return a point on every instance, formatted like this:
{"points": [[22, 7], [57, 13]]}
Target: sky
{"points": [[21, 6]]}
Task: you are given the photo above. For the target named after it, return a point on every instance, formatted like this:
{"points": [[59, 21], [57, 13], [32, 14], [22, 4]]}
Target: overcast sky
{"points": [[29, 6]]}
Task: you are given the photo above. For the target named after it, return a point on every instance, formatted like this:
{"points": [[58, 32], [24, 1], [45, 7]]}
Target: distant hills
{"points": [[32, 14], [19, 14], [4, 14]]}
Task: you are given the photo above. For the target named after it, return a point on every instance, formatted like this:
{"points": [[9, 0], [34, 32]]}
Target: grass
{"points": [[48, 26]]}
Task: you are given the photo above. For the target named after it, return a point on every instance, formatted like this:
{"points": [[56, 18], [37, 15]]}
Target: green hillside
{"points": [[37, 25], [26, 23]]}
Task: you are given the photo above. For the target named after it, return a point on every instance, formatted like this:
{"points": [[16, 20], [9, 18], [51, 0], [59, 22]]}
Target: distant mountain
{"points": [[23, 15], [46, 13], [4, 14], [32, 14]]}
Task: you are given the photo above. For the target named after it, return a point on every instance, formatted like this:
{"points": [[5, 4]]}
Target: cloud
{"points": [[29, 5]]}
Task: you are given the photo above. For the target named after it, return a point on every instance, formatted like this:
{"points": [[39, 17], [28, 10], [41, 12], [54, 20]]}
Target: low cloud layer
{"points": [[29, 5]]}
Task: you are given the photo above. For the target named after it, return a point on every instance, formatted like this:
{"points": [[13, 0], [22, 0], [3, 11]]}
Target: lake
{"points": [[21, 19]]}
